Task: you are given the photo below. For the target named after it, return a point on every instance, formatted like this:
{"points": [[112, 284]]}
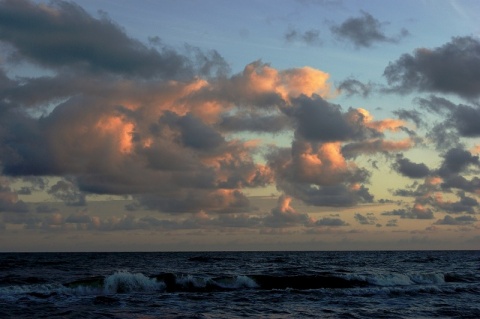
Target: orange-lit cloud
{"points": [[120, 131], [382, 125], [324, 165], [306, 80]]}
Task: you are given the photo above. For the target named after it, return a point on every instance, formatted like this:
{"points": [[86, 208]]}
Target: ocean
{"points": [[367, 284]]}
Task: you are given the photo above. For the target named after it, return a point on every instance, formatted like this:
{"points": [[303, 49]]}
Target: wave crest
{"points": [[123, 282]]}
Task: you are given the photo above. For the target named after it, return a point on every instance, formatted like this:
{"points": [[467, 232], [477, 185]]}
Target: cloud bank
{"points": [[109, 115]]}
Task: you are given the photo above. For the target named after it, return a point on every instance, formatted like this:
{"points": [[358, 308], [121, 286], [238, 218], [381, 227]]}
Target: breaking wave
{"points": [[124, 282]]}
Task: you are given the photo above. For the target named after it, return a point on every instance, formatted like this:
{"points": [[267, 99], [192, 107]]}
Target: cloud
{"points": [[369, 219], [364, 31], [67, 192], [465, 204], [9, 201], [459, 182], [184, 200], [392, 223], [373, 146], [418, 211], [309, 37], [331, 222], [451, 68], [460, 220], [64, 35], [410, 169], [411, 115], [457, 160], [352, 87], [283, 215], [166, 127], [459, 120], [262, 86], [321, 121]]}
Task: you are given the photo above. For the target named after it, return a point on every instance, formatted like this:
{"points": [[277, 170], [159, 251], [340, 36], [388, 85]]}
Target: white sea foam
{"points": [[23, 289], [237, 282], [189, 280], [388, 280], [430, 278], [123, 282], [398, 279]]}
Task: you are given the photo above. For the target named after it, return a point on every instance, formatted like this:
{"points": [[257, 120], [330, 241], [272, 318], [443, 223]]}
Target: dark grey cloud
{"points": [[411, 115], [352, 87], [391, 223], [209, 64], [309, 37], [436, 104], [331, 222], [63, 35], [319, 120], [368, 219], [28, 220], [364, 31], [457, 160], [194, 200], [67, 192], [413, 213], [194, 133], [465, 119], [410, 169], [427, 197], [35, 183], [460, 182], [456, 121], [443, 136], [451, 68], [465, 204], [406, 192], [460, 220], [335, 195], [373, 146], [23, 149]]}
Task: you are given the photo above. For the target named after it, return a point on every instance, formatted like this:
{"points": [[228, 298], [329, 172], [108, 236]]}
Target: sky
{"points": [[239, 125]]}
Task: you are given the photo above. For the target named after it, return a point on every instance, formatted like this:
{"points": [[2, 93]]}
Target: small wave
{"points": [[204, 283], [397, 279], [119, 282], [236, 282], [123, 282], [28, 289], [302, 282]]}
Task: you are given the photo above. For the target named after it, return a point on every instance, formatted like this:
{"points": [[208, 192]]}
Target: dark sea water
{"points": [[412, 284]]}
